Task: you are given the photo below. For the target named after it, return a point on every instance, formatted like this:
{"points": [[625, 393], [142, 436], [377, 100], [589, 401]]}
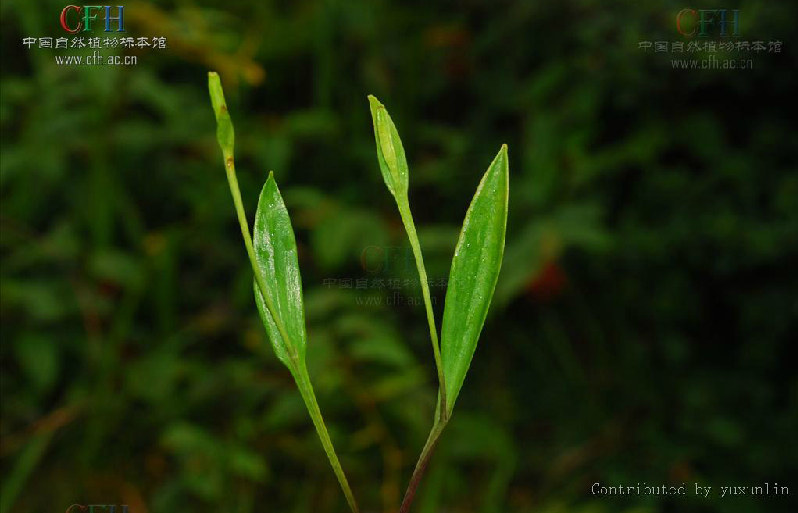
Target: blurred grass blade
{"points": [[393, 165], [475, 270], [276, 256], [15, 478]]}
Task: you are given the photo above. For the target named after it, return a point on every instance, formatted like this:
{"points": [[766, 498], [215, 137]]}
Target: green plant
{"points": [[277, 284], [472, 279]]}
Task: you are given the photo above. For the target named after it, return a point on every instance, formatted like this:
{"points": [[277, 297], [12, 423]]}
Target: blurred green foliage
{"points": [[642, 323]]}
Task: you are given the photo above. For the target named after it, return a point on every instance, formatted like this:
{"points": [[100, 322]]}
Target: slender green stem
{"points": [[309, 396], [442, 415], [421, 465], [407, 220]]}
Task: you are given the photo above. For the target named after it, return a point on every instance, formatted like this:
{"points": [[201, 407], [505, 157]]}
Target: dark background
{"points": [[641, 331]]}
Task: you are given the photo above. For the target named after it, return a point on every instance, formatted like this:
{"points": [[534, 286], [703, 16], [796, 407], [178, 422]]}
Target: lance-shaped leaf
{"points": [[276, 256], [475, 269], [390, 152]]}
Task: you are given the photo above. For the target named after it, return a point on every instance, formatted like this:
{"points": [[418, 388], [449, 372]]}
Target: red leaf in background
{"points": [[548, 283]]}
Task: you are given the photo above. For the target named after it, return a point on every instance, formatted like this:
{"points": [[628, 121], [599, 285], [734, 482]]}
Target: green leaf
{"points": [[276, 257], [390, 152], [475, 270]]}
